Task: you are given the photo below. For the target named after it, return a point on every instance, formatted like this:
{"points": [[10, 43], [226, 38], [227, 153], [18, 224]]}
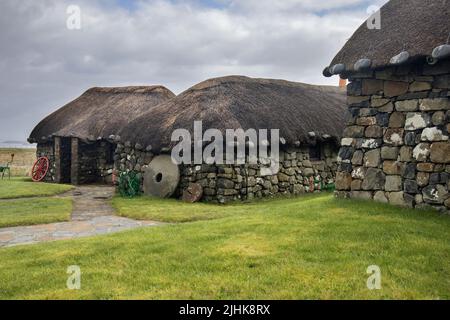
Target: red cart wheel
{"points": [[40, 169]]}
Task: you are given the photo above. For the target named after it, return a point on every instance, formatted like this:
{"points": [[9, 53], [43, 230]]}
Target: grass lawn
{"points": [[24, 187], [312, 247], [34, 211]]}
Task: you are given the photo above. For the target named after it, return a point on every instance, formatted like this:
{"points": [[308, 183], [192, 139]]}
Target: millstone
{"points": [[193, 193], [161, 178]]}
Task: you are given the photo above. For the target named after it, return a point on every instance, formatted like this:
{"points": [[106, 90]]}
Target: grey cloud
{"points": [[43, 65]]}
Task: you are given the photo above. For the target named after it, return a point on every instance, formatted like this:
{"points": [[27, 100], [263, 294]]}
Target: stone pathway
{"points": [[92, 215]]}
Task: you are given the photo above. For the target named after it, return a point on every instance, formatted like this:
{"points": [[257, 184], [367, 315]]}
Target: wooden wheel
{"points": [[40, 169]]}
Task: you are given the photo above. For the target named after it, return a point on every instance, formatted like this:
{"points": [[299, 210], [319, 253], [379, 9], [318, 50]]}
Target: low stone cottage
{"points": [[396, 145], [75, 138], [310, 119]]}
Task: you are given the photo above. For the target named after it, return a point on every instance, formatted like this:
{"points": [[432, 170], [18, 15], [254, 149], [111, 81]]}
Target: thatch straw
{"points": [[99, 112], [235, 102], [415, 26]]}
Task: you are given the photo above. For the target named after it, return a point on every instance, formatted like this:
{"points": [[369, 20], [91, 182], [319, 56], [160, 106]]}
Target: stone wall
{"points": [[92, 164], [47, 150], [225, 183], [95, 162], [396, 146]]}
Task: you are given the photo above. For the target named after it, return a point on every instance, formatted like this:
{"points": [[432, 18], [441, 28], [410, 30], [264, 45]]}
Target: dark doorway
{"points": [[66, 160]]}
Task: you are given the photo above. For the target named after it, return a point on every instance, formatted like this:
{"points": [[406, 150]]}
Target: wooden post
{"points": [[74, 162], [57, 152]]}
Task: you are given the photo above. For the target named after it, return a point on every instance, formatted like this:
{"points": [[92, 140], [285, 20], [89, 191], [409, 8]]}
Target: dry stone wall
{"points": [[47, 150], [396, 145], [225, 183]]}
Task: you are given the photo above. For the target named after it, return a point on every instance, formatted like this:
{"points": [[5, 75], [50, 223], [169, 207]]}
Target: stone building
{"points": [[75, 138], [396, 146], [310, 119]]}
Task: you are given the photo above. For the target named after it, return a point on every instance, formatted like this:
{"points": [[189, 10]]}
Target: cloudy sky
{"points": [[176, 43]]}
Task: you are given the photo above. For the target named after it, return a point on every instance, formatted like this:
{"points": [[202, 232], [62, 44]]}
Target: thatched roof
{"points": [[99, 112], [415, 26], [235, 102]]}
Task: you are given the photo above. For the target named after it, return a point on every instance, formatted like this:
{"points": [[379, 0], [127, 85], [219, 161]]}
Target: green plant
{"points": [[129, 184]]}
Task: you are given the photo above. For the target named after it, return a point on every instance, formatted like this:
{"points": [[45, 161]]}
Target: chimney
{"points": [[342, 83]]}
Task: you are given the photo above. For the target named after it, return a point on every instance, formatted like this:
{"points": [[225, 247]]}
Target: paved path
{"points": [[92, 215]]}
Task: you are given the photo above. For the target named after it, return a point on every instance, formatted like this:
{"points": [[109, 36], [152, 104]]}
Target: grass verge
{"points": [[34, 211]]}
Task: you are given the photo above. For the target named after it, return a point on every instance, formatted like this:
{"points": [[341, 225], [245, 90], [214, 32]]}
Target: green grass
{"points": [[34, 211], [174, 211], [24, 187], [313, 247]]}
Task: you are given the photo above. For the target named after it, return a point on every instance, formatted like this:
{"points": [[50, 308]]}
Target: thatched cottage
{"points": [[75, 137], [396, 145], [310, 119]]}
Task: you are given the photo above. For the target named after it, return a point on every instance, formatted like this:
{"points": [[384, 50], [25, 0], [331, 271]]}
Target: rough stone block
{"points": [[343, 181], [422, 179], [397, 120], [374, 132], [440, 152], [421, 152], [433, 134], [419, 86], [395, 88], [354, 132], [425, 167], [396, 199], [366, 121], [407, 105], [435, 104], [416, 120], [389, 153], [374, 179], [394, 136], [380, 197], [371, 86], [405, 154], [372, 158], [393, 183], [393, 167]]}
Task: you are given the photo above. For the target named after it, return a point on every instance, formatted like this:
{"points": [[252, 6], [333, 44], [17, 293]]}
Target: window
{"points": [[315, 153]]}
